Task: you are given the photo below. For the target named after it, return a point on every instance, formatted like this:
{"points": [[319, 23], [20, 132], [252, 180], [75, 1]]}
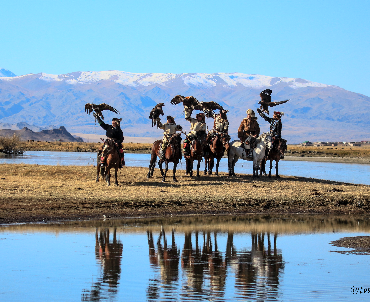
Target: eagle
{"points": [[99, 108], [155, 113], [192, 103], [265, 102]]}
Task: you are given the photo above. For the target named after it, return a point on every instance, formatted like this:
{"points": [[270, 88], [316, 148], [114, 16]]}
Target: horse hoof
{"points": [[175, 180]]}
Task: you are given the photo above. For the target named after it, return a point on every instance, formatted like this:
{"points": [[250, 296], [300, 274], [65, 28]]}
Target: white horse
{"points": [[236, 151]]}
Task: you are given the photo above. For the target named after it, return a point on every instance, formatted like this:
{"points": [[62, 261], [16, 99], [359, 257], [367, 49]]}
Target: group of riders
{"points": [[248, 130]]}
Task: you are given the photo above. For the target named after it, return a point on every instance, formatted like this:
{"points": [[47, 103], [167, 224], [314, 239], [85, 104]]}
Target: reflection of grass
{"points": [[249, 223], [78, 147], [338, 151], [34, 193]]}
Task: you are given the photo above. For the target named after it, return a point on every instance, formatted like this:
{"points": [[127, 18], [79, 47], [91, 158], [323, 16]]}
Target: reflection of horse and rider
{"points": [[257, 270], [199, 144], [109, 254]]}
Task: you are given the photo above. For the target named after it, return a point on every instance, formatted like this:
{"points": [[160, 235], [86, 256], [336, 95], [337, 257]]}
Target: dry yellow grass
{"points": [[78, 147], [37, 193], [331, 151]]}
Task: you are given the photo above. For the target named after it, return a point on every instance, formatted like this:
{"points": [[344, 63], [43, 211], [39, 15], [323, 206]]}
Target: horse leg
{"points": [[206, 163], [217, 165], [97, 172], [277, 169], [107, 176], [160, 167], [270, 167], [211, 165], [115, 175], [174, 172], [165, 172], [198, 167]]}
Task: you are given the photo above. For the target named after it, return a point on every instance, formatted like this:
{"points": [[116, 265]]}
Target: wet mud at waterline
{"points": [[35, 193]]}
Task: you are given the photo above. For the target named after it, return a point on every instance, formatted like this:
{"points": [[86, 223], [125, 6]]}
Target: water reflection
{"points": [[108, 254], [205, 268], [217, 258]]}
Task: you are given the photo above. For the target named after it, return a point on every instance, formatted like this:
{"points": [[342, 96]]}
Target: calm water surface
{"points": [[351, 173], [243, 258]]}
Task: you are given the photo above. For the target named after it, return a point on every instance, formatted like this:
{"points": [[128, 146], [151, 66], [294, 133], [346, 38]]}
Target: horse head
{"points": [[266, 138], [109, 146], [175, 139], [282, 147], [225, 139]]}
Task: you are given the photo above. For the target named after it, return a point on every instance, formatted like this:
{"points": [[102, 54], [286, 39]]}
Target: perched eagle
{"points": [[98, 109], [155, 113], [265, 102]]}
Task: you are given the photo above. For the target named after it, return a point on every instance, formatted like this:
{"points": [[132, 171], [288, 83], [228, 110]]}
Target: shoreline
{"points": [[329, 159], [36, 193]]}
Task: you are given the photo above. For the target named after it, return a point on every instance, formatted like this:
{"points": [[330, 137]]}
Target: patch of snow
{"points": [[50, 77], [199, 79]]}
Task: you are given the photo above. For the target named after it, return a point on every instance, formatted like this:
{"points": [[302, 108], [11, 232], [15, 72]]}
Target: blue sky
{"points": [[322, 41]]}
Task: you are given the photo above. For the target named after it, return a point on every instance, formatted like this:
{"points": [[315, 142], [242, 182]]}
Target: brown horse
{"points": [[275, 154], [215, 149], [110, 152], [172, 154], [196, 153]]}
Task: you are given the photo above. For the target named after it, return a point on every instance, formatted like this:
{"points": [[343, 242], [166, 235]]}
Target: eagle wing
{"points": [[99, 108], [272, 104], [177, 99]]}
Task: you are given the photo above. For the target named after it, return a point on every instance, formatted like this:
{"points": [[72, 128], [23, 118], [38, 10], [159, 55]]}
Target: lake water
{"points": [[351, 173], [217, 258]]}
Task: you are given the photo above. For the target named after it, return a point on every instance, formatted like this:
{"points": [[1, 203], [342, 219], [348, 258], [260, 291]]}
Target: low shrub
{"points": [[10, 145]]}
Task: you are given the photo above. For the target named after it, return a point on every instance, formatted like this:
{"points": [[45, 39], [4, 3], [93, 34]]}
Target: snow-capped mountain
{"points": [[6, 73], [165, 79], [315, 111]]}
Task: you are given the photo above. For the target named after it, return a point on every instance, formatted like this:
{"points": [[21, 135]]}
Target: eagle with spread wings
{"points": [[265, 102], [99, 108], [193, 104]]}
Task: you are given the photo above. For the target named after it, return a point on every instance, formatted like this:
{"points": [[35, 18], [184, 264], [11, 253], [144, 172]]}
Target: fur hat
{"points": [[169, 117], [201, 114], [118, 120], [278, 114], [251, 112]]}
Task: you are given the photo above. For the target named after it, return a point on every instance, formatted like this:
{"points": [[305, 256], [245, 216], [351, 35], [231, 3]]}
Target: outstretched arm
{"points": [[100, 121], [264, 116]]}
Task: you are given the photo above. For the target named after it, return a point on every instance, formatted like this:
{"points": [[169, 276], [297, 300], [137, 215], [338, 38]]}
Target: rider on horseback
{"points": [[220, 125], [275, 125], [198, 129], [114, 132], [249, 130], [170, 129]]}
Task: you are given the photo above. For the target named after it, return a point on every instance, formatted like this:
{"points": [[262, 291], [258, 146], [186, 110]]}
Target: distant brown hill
{"points": [[53, 135]]}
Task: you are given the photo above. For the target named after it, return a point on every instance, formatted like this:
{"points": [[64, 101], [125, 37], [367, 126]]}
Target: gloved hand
{"points": [[95, 115]]}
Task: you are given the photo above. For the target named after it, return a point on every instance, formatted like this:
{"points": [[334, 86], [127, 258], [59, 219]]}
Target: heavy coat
{"points": [[111, 132], [248, 127]]}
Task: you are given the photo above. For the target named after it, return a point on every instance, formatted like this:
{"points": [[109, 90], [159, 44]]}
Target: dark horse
{"points": [[275, 154], [215, 149], [172, 154], [112, 160], [196, 153]]}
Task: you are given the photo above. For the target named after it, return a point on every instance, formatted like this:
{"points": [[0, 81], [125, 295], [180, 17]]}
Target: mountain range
{"points": [[315, 111]]}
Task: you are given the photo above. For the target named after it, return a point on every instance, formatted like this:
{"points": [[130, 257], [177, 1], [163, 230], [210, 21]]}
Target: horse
{"points": [[172, 154], [237, 151], [196, 153], [110, 152], [215, 149], [275, 154]]}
